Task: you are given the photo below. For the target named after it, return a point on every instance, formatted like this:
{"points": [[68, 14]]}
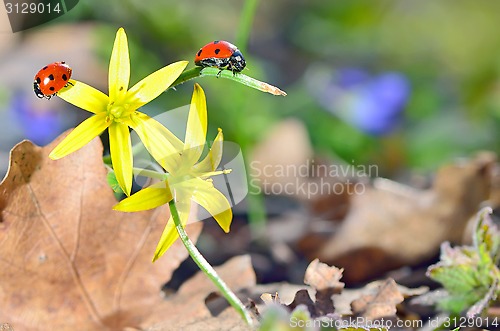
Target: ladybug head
{"points": [[237, 62]]}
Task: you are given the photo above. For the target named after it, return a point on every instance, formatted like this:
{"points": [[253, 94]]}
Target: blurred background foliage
{"points": [[401, 84]]}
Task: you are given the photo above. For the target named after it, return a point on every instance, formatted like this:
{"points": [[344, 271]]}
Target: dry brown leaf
{"points": [[391, 225], [269, 298], [321, 276], [379, 304], [343, 301], [302, 298], [187, 309], [326, 280], [67, 260], [283, 292]]}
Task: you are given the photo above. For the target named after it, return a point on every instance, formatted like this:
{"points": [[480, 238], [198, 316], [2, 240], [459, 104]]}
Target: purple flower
{"points": [[39, 122], [373, 104]]}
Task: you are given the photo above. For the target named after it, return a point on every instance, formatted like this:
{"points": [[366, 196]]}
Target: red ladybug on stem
{"points": [[51, 79], [220, 54]]}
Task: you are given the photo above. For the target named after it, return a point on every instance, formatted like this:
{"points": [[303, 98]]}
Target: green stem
{"points": [[245, 26], [207, 268], [107, 159]]}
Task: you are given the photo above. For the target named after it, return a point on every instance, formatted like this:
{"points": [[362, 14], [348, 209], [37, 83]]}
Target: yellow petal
{"points": [[155, 84], [120, 148], [215, 203], [85, 97], [119, 67], [196, 131], [148, 198], [162, 144], [214, 156], [170, 235], [80, 136]]}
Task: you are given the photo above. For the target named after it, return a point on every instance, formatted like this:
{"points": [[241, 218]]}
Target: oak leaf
{"points": [[67, 260]]}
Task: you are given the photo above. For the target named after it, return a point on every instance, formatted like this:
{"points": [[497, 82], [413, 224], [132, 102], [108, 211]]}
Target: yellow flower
{"points": [[118, 111], [187, 180]]}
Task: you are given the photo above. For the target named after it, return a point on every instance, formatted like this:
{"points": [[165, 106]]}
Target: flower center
{"points": [[117, 111]]}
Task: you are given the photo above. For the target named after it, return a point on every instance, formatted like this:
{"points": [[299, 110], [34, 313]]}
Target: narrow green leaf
{"points": [[227, 74]]}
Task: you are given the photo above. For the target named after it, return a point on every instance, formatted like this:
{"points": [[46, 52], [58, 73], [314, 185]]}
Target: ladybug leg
{"points": [[218, 74]]}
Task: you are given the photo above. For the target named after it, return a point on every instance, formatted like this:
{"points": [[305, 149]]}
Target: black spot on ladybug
{"points": [[216, 41], [52, 88], [64, 77], [51, 77], [38, 80], [199, 52], [217, 51], [45, 68]]}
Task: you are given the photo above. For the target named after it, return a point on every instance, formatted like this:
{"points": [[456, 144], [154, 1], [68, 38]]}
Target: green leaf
{"points": [[479, 306], [227, 74], [113, 182], [488, 234], [469, 274]]}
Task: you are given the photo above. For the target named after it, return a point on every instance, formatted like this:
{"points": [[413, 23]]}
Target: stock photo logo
{"points": [[25, 14]]}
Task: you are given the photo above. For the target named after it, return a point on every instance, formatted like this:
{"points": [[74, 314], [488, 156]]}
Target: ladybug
{"points": [[51, 79], [220, 54]]}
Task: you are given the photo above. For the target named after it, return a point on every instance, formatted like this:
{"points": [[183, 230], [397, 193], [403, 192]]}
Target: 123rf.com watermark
{"points": [[310, 179]]}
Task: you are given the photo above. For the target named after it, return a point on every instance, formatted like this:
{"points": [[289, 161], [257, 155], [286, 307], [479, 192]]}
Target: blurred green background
{"points": [[402, 84]]}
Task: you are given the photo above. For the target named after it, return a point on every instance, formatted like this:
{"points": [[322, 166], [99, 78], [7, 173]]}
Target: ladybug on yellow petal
{"points": [[51, 79]]}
